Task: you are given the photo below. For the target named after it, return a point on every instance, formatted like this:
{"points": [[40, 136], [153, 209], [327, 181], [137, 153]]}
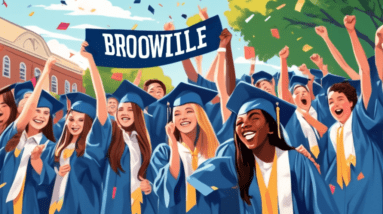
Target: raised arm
{"points": [[211, 73], [322, 31], [379, 51], [305, 71], [102, 112], [318, 61], [364, 67], [230, 69], [220, 76], [284, 78], [137, 80], [198, 60], [252, 69], [31, 104]]}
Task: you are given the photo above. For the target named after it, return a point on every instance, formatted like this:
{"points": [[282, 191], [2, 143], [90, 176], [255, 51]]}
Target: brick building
{"points": [[23, 54]]}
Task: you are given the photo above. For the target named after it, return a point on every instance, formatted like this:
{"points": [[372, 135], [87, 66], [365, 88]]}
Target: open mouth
{"points": [[186, 123], [75, 129], [125, 118], [249, 135], [38, 121], [1, 114], [338, 111], [304, 101]]}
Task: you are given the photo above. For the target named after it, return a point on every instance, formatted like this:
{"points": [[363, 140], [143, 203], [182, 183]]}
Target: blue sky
{"points": [[120, 14]]}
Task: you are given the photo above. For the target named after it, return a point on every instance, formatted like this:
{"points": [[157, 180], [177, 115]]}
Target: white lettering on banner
{"points": [[108, 39], [154, 44]]}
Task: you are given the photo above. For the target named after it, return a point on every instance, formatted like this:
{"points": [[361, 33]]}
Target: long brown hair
{"points": [[10, 101], [47, 132], [245, 161], [67, 137], [117, 145], [207, 141]]}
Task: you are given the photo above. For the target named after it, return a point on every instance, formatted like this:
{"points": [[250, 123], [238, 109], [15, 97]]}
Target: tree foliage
{"points": [[293, 25], [111, 85]]}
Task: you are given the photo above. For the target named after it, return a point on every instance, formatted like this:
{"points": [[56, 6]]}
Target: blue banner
{"points": [[139, 49]]}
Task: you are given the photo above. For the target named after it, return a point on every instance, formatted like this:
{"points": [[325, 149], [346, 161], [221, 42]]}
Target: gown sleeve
{"points": [[204, 83], [48, 174], [372, 116], [59, 127], [7, 134]]}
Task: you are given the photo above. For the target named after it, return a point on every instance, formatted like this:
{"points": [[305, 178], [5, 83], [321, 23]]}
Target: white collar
{"points": [[24, 139], [132, 137]]}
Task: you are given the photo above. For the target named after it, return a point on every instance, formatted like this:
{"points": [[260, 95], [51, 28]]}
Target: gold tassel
{"points": [[278, 120]]}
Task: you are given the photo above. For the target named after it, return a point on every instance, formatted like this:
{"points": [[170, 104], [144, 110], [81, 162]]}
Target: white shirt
{"points": [[348, 140], [186, 158], [135, 159], [308, 131], [265, 169]]}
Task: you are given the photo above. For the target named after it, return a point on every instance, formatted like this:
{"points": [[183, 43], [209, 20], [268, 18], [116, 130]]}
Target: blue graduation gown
{"points": [[98, 142], [36, 189], [227, 130], [363, 195], [320, 104], [171, 192], [201, 81], [111, 117], [59, 127], [157, 123], [309, 192]]}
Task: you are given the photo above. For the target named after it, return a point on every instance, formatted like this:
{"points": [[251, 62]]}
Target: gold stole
{"points": [[191, 195], [18, 201], [269, 195], [137, 201], [343, 171]]}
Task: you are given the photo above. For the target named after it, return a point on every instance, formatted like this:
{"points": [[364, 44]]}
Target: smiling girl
{"points": [[28, 142], [8, 108]]}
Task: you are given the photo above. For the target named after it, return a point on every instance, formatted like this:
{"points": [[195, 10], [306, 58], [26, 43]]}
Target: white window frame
{"points": [[37, 69], [74, 86], [67, 83], [9, 66], [24, 72], [56, 82]]}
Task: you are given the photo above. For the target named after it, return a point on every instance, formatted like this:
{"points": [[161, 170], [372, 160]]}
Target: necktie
{"points": [[191, 195], [343, 170], [315, 151], [269, 195]]}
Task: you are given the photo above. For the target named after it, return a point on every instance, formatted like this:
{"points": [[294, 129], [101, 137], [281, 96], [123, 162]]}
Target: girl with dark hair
{"points": [[28, 142], [191, 141], [272, 176], [8, 108], [122, 148]]}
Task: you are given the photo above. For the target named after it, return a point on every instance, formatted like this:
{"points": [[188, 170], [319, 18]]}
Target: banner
{"points": [[139, 49]]}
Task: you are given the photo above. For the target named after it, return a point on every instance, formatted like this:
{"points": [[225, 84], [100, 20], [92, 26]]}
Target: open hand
{"points": [[203, 13], [317, 60]]}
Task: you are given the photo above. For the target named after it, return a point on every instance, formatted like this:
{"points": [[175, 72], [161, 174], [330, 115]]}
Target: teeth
{"points": [[185, 123], [75, 129], [249, 137], [125, 118], [38, 121]]}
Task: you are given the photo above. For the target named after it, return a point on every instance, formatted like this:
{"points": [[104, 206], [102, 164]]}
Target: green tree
{"points": [[110, 85], [297, 28]]}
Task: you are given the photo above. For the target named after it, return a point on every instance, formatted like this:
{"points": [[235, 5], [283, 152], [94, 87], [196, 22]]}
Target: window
{"points": [[23, 70], [67, 87], [54, 84], [37, 72], [6, 67], [74, 87]]}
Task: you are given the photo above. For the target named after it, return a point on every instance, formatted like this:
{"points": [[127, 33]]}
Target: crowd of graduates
{"points": [[261, 143]]}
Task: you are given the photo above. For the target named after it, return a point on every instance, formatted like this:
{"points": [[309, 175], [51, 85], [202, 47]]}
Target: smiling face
{"points": [[185, 118], [340, 106], [156, 90], [22, 102], [265, 86], [125, 115], [41, 118], [75, 123], [302, 98], [5, 111], [252, 128], [112, 106]]}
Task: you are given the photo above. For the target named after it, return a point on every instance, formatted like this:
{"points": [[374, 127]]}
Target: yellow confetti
{"points": [[299, 5], [31, 14], [178, 4], [307, 47], [299, 38], [183, 4], [239, 39], [92, 10], [2, 185], [253, 36], [134, 27], [213, 187], [281, 6], [81, 8], [292, 32]]}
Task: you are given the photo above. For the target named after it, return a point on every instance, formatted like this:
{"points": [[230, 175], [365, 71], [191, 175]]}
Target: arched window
{"points": [[67, 87], [37, 72], [54, 84], [23, 70], [74, 87], [6, 67]]}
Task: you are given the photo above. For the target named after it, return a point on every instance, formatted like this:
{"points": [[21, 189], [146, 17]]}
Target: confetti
{"points": [[239, 39], [92, 10], [178, 4], [34, 81], [71, 54], [292, 32], [81, 8], [307, 47], [114, 192], [29, 6], [63, 2], [183, 4], [249, 52], [332, 188], [5, 3], [299, 38], [249, 18], [63, 26], [151, 9], [275, 33], [184, 16], [299, 5], [117, 76], [160, 5], [31, 14], [170, 17], [134, 27], [2, 185], [137, 1], [281, 6], [360, 176], [253, 36], [267, 18]]}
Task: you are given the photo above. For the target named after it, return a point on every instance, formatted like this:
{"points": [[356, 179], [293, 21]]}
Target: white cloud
{"points": [[99, 8], [84, 26], [63, 51], [49, 34], [242, 60]]}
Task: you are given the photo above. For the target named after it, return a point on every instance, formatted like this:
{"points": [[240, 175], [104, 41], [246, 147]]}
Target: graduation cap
{"points": [[83, 103], [128, 92], [297, 81], [63, 2], [21, 89], [317, 73], [48, 101], [137, 1], [246, 97], [7, 88], [63, 100], [317, 88], [277, 76], [186, 93], [329, 80], [261, 75], [245, 78], [110, 96], [151, 9]]}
